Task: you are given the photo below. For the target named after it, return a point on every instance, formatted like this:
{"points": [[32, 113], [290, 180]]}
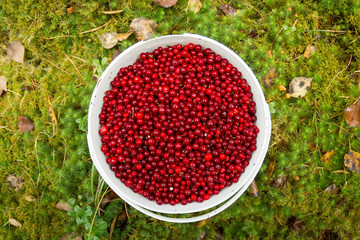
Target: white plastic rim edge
{"points": [[250, 176]]}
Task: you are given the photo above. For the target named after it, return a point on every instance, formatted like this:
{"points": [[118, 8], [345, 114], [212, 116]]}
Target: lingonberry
{"points": [[178, 125]]}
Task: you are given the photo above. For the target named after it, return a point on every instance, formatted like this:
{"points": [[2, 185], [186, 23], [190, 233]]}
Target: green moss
{"points": [[54, 161]]}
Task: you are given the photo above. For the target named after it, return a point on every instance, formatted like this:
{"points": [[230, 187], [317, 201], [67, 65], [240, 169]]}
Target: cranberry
{"points": [[178, 125]]}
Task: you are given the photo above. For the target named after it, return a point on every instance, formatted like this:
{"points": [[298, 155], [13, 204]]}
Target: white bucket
{"points": [[229, 194]]}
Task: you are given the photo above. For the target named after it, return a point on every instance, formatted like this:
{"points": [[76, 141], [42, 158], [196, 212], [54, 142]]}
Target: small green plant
{"points": [[100, 66], [86, 218]]}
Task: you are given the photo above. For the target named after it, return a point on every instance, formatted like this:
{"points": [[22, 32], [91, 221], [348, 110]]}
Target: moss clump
{"points": [[54, 161]]}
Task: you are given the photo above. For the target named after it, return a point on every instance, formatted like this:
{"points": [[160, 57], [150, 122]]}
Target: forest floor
{"points": [[49, 186]]}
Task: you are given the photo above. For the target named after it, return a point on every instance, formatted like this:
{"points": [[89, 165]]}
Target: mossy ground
{"points": [[54, 161]]}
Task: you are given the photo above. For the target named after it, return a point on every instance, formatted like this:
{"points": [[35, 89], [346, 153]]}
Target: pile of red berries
{"points": [[177, 126]]}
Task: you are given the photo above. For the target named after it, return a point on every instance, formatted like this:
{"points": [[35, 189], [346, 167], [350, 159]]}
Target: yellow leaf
{"points": [[352, 161], [327, 156], [123, 36], [271, 168], [14, 222], [203, 222], [52, 114]]}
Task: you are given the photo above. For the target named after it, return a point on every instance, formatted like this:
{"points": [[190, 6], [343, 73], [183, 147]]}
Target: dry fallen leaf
{"points": [[71, 236], [332, 189], [14, 182], [254, 191], [3, 83], [16, 51], [352, 115], [280, 182], [271, 168], [295, 223], [227, 9], [165, 3], [108, 40], [252, 34], [203, 222], [123, 36], [268, 80], [14, 222], [24, 124], [144, 28], [281, 88], [352, 161], [327, 156], [299, 86], [70, 10], [310, 49], [52, 114], [194, 5], [29, 198], [63, 206]]}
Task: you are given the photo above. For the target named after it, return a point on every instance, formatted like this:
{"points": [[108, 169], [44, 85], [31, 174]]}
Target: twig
{"points": [[13, 145], [62, 36], [272, 44], [127, 214], [112, 12], [37, 158], [339, 73], [332, 31], [97, 28], [113, 226], [72, 62], [8, 90], [356, 100], [249, 5], [317, 220], [52, 63]]}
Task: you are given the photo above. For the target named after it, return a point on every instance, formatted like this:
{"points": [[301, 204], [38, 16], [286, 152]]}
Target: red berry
{"points": [[178, 125], [208, 157]]}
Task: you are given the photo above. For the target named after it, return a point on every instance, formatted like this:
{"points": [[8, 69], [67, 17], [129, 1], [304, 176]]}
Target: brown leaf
{"points": [[310, 49], [280, 182], [116, 53], [352, 115], [254, 191], [165, 3], [299, 86], [203, 222], [108, 40], [352, 161], [71, 236], [252, 34], [63, 206], [3, 83], [227, 9], [14, 182], [327, 156], [29, 198], [70, 10], [24, 124], [332, 189], [194, 5], [52, 114], [295, 223], [268, 80], [16, 51], [15, 223], [144, 28], [123, 36]]}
